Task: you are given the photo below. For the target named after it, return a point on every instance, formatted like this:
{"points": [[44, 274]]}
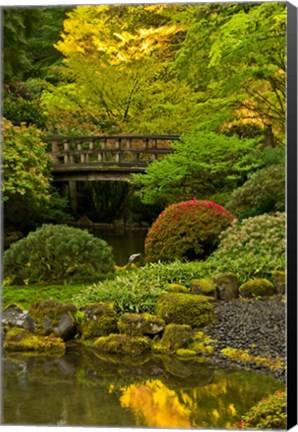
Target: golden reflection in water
{"points": [[155, 405]]}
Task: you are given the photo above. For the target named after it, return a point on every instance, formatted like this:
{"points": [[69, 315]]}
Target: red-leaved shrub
{"points": [[188, 230]]}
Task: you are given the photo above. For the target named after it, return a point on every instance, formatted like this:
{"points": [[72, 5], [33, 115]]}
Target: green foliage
{"points": [[58, 253], [202, 165], [27, 294], [246, 92], [187, 230], [22, 106], [269, 413], [25, 163], [263, 192], [251, 248], [18, 27], [132, 292]]}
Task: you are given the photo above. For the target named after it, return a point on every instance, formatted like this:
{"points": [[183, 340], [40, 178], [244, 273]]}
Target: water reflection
{"points": [[86, 388], [124, 242]]}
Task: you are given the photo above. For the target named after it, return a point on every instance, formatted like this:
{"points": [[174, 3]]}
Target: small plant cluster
{"points": [[269, 413], [188, 230], [253, 247], [22, 106], [56, 253]]}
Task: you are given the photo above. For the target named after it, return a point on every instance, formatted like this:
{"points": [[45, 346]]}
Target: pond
{"points": [[124, 242], [85, 388]]}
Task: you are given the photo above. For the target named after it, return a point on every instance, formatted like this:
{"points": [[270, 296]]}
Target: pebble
{"points": [[256, 325]]}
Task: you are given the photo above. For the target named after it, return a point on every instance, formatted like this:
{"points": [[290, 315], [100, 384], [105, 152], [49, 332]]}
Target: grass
{"points": [[24, 296]]}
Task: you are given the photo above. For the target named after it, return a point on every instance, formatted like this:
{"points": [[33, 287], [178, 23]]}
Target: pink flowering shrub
{"points": [[187, 230]]}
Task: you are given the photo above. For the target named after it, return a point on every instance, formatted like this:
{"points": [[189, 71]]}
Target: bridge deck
{"points": [[113, 157]]}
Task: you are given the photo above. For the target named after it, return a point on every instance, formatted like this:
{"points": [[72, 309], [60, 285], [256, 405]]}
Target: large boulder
{"points": [[99, 319], [205, 287], [174, 337], [18, 339], [122, 344], [279, 281], [140, 324], [52, 317], [227, 286], [14, 316], [257, 288], [191, 309]]}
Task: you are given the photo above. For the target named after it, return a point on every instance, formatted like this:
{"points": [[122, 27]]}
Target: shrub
{"points": [[252, 248], [58, 253], [22, 106], [269, 413], [263, 192], [187, 230]]}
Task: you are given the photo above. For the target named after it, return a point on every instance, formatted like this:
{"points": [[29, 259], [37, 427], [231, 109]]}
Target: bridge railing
{"points": [[120, 150]]}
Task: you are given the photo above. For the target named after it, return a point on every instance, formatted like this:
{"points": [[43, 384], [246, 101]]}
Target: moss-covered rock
{"points": [[18, 339], [203, 344], [191, 309], [49, 316], [99, 319], [174, 337], [227, 286], [140, 324], [14, 316], [257, 288], [122, 344], [174, 287], [205, 287], [279, 281], [185, 353]]}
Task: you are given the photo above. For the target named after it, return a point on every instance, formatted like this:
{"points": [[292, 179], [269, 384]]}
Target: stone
{"points": [[279, 281], [18, 339], [205, 287], [191, 309], [122, 344], [175, 336], [140, 324], [14, 316], [48, 313], [175, 287], [100, 319], [227, 286], [66, 328], [257, 288]]}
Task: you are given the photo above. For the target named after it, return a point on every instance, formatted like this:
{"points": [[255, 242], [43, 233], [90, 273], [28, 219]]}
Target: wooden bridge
{"points": [[93, 158], [113, 157]]}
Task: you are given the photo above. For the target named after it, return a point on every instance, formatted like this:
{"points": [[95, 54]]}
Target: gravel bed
{"points": [[257, 325]]}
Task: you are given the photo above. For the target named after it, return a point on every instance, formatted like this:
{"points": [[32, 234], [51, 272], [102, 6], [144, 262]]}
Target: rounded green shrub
{"points": [[251, 248], [188, 230], [269, 413], [263, 192], [55, 253]]}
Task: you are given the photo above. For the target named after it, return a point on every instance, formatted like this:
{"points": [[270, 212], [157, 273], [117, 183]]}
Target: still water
{"points": [[124, 242], [84, 388]]}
